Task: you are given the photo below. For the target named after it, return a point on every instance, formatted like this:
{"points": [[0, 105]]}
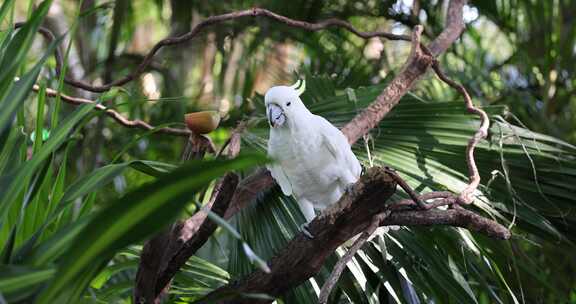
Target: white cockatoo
{"points": [[313, 159]]}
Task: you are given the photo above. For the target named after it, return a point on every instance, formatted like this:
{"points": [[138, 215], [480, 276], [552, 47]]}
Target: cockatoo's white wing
{"points": [[337, 144], [276, 170], [281, 178]]}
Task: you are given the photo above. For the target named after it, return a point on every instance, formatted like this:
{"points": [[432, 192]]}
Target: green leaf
{"points": [[15, 53], [84, 186], [21, 42], [6, 6], [104, 275], [9, 158], [75, 289], [53, 247], [104, 175], [136, 216], [17, 282], [59, 136], [19, 90]]}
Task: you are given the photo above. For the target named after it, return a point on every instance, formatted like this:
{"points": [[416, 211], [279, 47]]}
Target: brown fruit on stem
{"points": [[202, 122]]}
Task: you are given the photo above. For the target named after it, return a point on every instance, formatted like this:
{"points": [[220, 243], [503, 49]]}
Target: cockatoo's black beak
{"points": [[276, 116]]}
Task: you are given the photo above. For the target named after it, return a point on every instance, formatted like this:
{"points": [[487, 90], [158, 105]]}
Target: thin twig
{"points": [[358, 243], [213, 20], [467, 195], [404, 185], [137, 123]]}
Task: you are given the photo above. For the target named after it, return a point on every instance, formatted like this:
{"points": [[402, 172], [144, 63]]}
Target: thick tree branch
{"points": [[370, 117], [195, 231], [452, 29], [154, 252], [248, 189], [165, 254], [457, 217], [302, 257], [151, 258]]}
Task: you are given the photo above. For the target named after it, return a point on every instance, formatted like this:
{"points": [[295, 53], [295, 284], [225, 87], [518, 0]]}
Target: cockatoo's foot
{"points": [[348, 188], [304, 229]]}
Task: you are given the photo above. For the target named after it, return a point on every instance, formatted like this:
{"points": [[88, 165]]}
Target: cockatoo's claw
{"points": [[305, 231], [348, 188]]}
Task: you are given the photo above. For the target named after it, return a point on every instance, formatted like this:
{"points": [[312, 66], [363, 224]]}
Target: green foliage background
{"points": [[79, 193]]}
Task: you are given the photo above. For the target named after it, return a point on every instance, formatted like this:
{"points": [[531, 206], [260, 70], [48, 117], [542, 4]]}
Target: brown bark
{"points": [[456, 217], [166, 253], [248, 189], [150, 260], [195, 231]]}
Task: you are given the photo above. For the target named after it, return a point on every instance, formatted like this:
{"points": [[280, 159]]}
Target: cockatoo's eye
{"points": [[288, 104]]}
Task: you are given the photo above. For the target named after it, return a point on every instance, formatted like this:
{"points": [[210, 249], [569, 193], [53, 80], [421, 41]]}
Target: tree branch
{"points": [[457, 217], [248, 189], [154, 252], [213, 20], [195, 231], [121, 119], [467, 195], [165, 254], [302, 257], [148, 58], [452, 29], [416, 65], [362, 123]]}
